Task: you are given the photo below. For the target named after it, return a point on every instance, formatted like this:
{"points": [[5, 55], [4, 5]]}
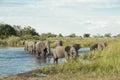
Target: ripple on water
{"points": [[15, 60]]}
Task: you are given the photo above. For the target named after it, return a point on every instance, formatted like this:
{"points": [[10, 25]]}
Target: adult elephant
{"points": [[58, 43], [102, 45], [93, 47], [25, 43], [60, 52], [31, 47], [99, 46], [74, 49], [42, 48]]}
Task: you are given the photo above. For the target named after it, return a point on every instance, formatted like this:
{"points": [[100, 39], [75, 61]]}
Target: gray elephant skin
{"points": [[93, 47], [99, 46], [74, 49], [25, 43], [58, 43], [31, 47], [61, 52], [42, 48]]}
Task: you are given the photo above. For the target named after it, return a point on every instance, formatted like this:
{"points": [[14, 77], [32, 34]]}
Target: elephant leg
{"points": [[38, 53], [56, 60], [45, 52]]}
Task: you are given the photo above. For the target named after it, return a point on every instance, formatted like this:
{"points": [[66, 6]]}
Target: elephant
{"points": [[74, 49], [43, 47], [60, 52], [25, 43], [99, 46], [102, 45], [31, 47], [93, 47], [58, 43]]}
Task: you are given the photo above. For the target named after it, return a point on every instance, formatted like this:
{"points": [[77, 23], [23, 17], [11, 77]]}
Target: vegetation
{"points": [[86, 35]]}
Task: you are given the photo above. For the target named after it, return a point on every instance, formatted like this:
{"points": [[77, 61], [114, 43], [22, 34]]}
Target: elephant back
{"points": [[58, 43], [104, 44], [76, 46], [39, 45], [59, 52], [94, 46]]}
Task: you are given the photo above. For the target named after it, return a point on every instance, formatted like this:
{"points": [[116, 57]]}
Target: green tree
{"points": [[72, 35], [86, 35], [6, 30], [60, 35], [107, 35], [19, 30], [47, 35], [30, 31], [97, 36]]}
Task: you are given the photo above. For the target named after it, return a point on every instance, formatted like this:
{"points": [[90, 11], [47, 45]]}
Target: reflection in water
{"points": [[15, 60], [41, 60]]}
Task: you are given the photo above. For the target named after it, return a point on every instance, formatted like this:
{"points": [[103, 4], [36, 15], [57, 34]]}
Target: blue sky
{"points": [[63, 16]]}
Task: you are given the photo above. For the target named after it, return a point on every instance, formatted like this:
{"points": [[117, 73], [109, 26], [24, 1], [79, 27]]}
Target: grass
{"points": [[85, 42], [104, 66]]}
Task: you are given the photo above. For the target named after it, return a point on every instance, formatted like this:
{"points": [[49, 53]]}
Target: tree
{"points": [[60, 35], [97, 36], [19, 30], [47, 35], [107, 35], [72, 35], [30, 31], [6, 30], [86, 35]]}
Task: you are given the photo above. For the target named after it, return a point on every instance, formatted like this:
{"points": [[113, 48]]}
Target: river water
{"points": [[15, 60]]}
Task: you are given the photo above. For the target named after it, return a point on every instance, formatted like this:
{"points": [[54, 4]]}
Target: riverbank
{"points": [[40, 74]]}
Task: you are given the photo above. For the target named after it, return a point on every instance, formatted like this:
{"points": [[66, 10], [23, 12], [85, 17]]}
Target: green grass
{"points": [[85, 42], [102, 64]]}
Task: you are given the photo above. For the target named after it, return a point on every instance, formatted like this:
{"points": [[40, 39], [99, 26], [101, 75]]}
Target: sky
{"points": [[63, 16]]}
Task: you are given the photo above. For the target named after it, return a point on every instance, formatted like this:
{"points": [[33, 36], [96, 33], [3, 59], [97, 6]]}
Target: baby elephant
{"points": [[60, 52]]}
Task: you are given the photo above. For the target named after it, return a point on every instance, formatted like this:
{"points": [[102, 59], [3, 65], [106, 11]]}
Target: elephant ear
{"points": [[67, 48]]}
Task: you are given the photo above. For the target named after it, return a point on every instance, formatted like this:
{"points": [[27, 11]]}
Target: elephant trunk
{"points": [[48, 47]]}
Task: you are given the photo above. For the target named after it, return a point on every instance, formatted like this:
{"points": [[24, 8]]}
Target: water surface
{"points": [[15, 60]]}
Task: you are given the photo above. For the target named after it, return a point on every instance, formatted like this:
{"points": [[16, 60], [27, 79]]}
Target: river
{"points": [[15, 60]]}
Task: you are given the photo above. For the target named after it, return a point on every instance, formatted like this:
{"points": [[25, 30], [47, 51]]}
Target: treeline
{"points": [[28, 32], [7, 30]]}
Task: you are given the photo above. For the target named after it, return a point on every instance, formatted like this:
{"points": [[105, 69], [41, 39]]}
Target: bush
{"points": [[13, 41]]}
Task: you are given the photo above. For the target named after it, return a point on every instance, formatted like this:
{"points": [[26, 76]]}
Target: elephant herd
{"points": [[42, 49], [98, 46]]}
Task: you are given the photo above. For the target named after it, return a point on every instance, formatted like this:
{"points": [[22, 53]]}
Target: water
{"points": [[15, 60]]}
